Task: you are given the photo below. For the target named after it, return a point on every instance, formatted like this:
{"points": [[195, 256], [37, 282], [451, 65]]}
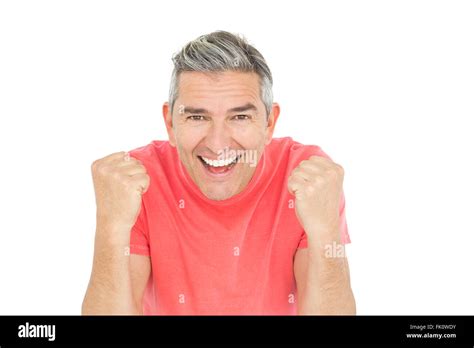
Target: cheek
{"points": [[187, 139], [253, 139]]}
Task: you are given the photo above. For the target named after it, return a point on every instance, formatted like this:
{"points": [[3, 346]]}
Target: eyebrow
{"points": [[191, 110], [246, 107]]}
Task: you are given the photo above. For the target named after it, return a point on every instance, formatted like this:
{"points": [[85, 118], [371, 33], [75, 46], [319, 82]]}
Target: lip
{"points": [[220, 176]]}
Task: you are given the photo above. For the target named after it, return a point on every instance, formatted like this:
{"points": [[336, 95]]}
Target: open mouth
{"points": [[218, 167]]}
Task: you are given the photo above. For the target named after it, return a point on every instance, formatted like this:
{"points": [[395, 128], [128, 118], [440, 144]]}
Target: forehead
{"points": [[228, 84]]}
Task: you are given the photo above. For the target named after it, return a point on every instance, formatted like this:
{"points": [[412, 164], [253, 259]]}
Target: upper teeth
{"points": [[218, 163]]}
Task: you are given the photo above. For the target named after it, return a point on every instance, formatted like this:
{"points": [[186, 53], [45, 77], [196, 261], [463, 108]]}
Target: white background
{"points": [[386, 88]]}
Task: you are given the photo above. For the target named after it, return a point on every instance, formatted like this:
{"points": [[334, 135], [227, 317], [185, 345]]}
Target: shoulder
{"points": [[154, 151], [294, 151]]}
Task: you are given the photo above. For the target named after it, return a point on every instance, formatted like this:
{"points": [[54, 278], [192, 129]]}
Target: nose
{"points": [[218, 137]]}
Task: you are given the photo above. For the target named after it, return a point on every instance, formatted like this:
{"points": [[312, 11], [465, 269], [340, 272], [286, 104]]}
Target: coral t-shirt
{"points": [[233, 256]]}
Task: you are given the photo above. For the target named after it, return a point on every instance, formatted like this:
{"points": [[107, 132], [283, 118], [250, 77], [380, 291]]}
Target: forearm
{"points": [[110, 288], [327, 288]]}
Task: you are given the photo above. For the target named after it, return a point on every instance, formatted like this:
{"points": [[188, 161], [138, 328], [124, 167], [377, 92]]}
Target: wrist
{"points": [[114, 234], [323, 235]]}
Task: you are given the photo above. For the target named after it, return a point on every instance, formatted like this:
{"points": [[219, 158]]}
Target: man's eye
{"points": [[242, 117], [196, 118]]}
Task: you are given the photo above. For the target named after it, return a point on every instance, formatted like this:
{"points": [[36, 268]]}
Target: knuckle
{"points": [[336, 170], [95, 165], [100, 169]]}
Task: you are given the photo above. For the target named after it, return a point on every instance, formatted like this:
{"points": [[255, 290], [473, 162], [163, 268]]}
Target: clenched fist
{"points": [[317, 186], [119, 182]]}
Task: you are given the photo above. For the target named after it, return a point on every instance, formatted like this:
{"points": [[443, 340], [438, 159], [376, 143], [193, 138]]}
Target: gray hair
{"points": [[222, 51]]}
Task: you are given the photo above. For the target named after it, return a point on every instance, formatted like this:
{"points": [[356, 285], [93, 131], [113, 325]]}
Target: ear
{"points": [[271, 122], [168, 117]]}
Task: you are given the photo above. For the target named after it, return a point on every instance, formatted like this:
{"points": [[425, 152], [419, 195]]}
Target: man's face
{"points": [[220, 128]]}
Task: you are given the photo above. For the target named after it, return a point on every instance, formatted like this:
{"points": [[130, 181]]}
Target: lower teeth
{"points": [[220, 169]]}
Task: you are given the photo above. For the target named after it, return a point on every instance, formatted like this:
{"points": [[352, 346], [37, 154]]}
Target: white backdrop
{"points": [[386, 88]]}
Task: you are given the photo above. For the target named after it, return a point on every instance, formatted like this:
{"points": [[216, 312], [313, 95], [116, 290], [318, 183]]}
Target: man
{"points": [[220, 219]]}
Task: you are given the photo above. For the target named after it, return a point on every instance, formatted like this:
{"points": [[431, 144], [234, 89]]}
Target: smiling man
{"points": [[222, 218]]}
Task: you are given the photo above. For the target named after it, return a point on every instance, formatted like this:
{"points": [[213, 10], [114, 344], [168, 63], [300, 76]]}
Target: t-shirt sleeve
{"points": [[345, 239], [139, 241]]}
